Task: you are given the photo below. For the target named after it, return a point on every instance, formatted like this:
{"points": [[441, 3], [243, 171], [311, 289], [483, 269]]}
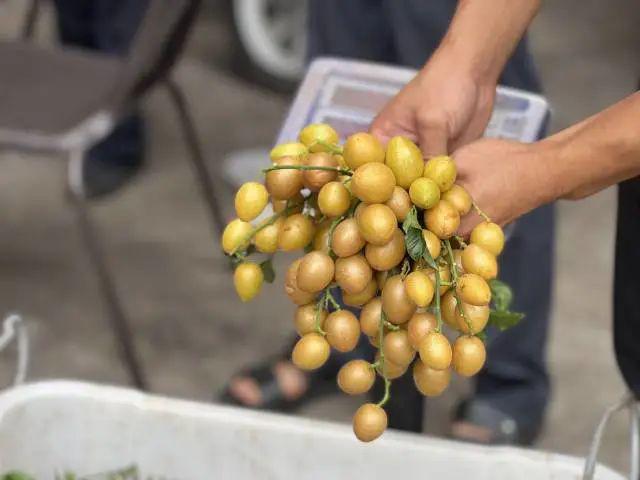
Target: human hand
{"points": [[444, 107], [506, 179]]}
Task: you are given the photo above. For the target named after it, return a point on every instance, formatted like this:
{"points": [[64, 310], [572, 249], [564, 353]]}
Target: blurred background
{"points": [[239, 71]]}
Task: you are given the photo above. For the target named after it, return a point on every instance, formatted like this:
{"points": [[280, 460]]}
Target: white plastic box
{"points": [[53, 426]]}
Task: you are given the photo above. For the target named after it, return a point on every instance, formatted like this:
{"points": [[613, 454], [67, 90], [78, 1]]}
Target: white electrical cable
{"points": [[628, 401], [14, 327]]}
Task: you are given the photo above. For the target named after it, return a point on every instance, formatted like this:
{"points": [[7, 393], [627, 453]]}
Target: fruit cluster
{"points": [[378, 227]]}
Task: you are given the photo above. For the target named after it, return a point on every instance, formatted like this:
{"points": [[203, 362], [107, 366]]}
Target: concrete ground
{"points": [[193, 333]]}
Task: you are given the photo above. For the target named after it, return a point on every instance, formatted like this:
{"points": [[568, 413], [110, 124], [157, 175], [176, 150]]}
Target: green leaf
{"points": [[268, 271], [482, 336], [501, 295], [16, 476], [415, 244], [504, 319], [411, 220]]}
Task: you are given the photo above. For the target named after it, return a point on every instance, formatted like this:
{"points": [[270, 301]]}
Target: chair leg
{"points": [[30, 19], [117, 318], [203, 174]]}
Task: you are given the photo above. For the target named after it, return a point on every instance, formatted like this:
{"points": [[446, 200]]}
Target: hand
{"points": [[442, 108], [505, 179]]}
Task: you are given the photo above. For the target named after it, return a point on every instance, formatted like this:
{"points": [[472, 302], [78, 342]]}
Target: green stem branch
{"points": [[381, 361], [454, 274], [340, 171], [480, 212]]}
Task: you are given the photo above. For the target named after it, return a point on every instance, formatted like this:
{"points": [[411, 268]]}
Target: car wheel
{"points": [[270, 41]]}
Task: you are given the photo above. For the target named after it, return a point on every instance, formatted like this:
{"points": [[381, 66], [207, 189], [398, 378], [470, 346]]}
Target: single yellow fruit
{"points": [[476, 319], [285, 183], [377, 223], [360, 298], [353, 274], [473, 289], [441, 170], [297, 231], [385, 257], [400, 203], [310, 352], [435, 351], [356, 377], [424, 192], [373, 183], [443, 219], [288, 150], [248, 279], [489, 236], [469, 355], [419, 288], [428, 381], [346, 239], [307, 317], [405, 160], [235, 235], [370, 317], [297, 296], [334, 199], [369, 422], [420, 324], [314, 180], [250, 200], [315, 272], [317, 135], [397, 348], [361, 148], [266, 240], [433, 243], [343, 330], [459, 198], [396, 303], [391, 370], [478, 260]]}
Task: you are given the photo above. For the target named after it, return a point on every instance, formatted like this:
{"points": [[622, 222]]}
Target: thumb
{"points": [[433, 136]]}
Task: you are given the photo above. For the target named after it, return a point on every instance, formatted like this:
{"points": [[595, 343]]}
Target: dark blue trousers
{"points": [[107, 26], [406, 32]]}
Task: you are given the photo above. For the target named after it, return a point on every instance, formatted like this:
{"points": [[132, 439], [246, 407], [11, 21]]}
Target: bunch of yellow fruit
{"points": [[378, 227]]}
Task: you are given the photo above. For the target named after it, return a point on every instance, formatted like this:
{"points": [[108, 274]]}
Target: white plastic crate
{"points": [[53, 426]]}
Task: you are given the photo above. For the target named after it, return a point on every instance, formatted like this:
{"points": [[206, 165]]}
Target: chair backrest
{"points": [[157, 44]]}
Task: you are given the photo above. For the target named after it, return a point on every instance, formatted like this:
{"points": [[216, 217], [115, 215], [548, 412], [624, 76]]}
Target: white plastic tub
{"points": [[52, 426]]}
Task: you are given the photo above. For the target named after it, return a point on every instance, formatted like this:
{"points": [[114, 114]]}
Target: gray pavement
{"points": [[192, 332]]}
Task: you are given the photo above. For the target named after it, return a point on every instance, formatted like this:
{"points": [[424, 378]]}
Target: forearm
{"points": [[600, 151], [484, 33]]}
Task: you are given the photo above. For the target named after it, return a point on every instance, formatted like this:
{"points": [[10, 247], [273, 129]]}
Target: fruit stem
{"points": [[321, 305], [341, 171], [270, 221], [461, 241], [480, 212], [381, 360], [454, 273], [330, 298], [436, 309], [391, 326], [387, 392], [336, 149], [406, 267]]}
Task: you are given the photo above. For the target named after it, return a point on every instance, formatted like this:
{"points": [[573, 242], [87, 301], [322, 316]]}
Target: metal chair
{"points": [[66, 100]]}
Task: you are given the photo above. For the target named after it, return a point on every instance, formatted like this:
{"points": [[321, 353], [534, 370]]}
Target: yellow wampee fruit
{"points": [[235, 234], [317, 134], [288, 150], [405, 160], [250, 200], [248, 279]]}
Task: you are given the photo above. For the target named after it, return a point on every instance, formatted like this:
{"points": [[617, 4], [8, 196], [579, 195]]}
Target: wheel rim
{"points": [[273, 32]]}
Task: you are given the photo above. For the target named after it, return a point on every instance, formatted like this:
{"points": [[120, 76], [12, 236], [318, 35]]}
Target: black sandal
{"points": [[504, 429], [272, 396]]}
